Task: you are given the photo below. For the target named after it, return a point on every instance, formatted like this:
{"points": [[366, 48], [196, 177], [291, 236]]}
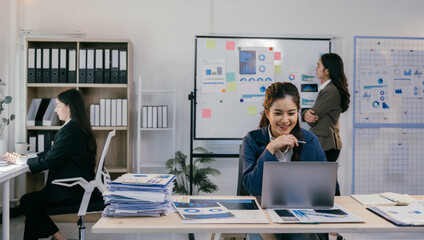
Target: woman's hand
{"points": [[282, 142], [310, 116]]}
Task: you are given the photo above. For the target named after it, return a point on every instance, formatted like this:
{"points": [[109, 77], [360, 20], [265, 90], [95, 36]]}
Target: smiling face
{"points": [[282, 116], [322, 72], [62, 111]]}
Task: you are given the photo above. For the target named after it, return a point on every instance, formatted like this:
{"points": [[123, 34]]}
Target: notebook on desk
{"points": [[301, 185]]}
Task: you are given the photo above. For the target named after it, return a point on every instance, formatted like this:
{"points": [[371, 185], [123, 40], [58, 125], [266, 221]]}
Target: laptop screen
{"points": [[299, 185]]}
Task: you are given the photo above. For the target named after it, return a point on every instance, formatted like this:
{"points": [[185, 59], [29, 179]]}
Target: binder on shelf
{"points": [[122, 66], [90, 65], [149, 116], [40, 142], [160, 114], [107, 112], [114, 77], [32, 112], [32, 140], [92, 114], [118, 112], [154, 116], [46, 66], [41, 111], [98, 78], [72, 66], [50, 117], [38, 65], [83, 66], [113, 112], [63, 73], [55, 66], [97, 115], [124, 112], [106, 70], [164, 116], [31, 65], [102, 112], [144, 117]]}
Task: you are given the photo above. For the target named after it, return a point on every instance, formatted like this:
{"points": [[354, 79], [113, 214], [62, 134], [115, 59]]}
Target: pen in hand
{"points": [[301, 141]]}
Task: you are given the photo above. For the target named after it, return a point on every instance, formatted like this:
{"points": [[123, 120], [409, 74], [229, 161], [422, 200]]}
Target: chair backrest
{"points": [[241, 190], [100, 172]]}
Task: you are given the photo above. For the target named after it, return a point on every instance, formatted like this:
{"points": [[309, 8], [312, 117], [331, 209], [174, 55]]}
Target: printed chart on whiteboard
{"points": [[388, 115]]}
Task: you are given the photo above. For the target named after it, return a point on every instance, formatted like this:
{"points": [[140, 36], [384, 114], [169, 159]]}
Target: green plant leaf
{"points": [[8, 99], [12, 117], [5, 121]]}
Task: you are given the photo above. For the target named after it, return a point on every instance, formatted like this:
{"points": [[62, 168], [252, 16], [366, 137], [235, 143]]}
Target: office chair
{"points": [[92, 200]]}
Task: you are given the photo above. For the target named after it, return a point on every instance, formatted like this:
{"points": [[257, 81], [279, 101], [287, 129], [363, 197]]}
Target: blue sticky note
{"points": [[231, 77]]}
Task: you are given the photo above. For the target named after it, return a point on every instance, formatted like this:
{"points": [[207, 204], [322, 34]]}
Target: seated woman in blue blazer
{"points": [[73, 154], [278, 138]]}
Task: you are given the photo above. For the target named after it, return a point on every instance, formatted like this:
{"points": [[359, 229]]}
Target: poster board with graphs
{"points": [[232, 74], [388, 115]]}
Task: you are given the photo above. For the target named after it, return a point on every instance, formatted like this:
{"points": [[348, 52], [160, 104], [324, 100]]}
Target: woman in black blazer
{"points": [[73, 154]]}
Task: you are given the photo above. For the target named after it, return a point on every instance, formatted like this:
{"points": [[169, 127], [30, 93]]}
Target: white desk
{"points": [[6, 173], [172, 224]]}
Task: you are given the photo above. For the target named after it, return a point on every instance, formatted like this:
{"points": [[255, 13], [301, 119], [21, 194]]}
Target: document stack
{"points": [[139, 195]]}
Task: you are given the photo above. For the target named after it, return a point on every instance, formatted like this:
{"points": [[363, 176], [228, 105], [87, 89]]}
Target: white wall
{"points": [[162, 33]]}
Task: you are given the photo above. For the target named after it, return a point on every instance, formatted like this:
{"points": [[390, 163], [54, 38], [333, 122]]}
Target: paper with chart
{"points": [[376, 84], [201, 210], [244, 210], [213, 75], [336, 214]]}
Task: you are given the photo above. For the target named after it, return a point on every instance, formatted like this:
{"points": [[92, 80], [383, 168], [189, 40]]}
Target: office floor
{"points": [[70, 230]]}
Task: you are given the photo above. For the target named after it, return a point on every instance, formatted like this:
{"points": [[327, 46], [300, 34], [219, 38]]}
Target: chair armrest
{"points": [[70, 182]]}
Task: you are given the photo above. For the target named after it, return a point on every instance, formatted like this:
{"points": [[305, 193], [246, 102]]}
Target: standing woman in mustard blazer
{"points": [[333, 99], [73, 154]]}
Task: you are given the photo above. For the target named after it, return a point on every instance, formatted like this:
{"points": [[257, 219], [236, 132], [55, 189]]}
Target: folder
{"points": [[160, 114], [31, 65], [50, 117], [164, 116], [72, 66], [113, 112], [48, 140], [38, 65], [98, 78], [90, 65], [63, 73], [154, 116], [41, 111], [106, 70], [144, 117], [118, 112], [102, 112], [124, 112], [92, 114], [55, 66], [32, 112], [114, 78], [107, 112], [40, 142], [149, 116], [46, 66], [32, 139], [83, 66], [97, 115], [122, 66]]}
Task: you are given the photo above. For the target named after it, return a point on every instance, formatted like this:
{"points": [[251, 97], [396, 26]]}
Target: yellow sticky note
{"points": [[277, 69], [210, 44], [251, 110], [231, 86]]}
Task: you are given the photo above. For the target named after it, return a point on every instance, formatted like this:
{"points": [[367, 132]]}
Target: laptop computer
{"points": [[301, 185]]}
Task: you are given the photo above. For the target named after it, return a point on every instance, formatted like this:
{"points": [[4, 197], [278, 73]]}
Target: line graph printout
{"points": [[388, 115]]}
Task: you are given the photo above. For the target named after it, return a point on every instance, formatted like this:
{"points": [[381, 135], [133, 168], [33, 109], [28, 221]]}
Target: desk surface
{"points": [[12, 171], [172, 224]]}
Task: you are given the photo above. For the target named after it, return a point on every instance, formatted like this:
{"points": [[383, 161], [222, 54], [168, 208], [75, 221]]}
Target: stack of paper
{"points": [[139, 195]]}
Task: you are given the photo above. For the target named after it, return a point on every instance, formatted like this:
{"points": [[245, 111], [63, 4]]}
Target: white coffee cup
{"points": [[23, 148]]}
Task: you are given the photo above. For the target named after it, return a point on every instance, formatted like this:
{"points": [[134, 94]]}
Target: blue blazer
{"points": [[67, 158], [254, 154]]}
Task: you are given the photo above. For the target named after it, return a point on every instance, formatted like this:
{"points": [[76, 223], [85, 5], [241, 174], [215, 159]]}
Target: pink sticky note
{"points": [[277, 55], [206, 113], [230, 45]]}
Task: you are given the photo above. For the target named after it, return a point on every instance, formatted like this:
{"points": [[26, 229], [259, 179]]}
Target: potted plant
{"points": [[181, 170], [5, 120]]}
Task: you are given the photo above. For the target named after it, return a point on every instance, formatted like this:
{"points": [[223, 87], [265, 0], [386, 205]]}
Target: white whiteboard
{"points": [[229, 86]]}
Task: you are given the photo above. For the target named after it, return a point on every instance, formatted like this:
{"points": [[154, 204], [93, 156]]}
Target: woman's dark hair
{"points": [[72, 98], [281, 90], [334, 64]]}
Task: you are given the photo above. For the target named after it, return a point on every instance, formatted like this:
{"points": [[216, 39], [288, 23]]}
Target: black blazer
{"points": [[67, 158]]}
